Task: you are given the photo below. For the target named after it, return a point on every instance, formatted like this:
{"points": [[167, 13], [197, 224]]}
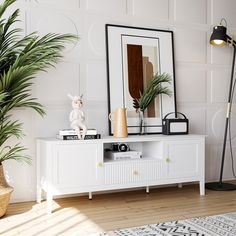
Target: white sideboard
{"points": [[79, 166]]}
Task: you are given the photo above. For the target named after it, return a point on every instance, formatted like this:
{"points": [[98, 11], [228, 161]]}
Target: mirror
{"points": [[133, 56]]}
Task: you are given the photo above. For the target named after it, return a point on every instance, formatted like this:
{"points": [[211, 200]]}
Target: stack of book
{"points": [[70, 134]]}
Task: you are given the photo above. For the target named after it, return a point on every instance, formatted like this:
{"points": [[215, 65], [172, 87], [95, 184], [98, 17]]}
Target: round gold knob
{"points": [[135, 172], [100, 164], [168, 160]]}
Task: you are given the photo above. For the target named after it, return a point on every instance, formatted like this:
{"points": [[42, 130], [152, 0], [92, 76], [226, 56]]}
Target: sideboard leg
{"points": [[180, 185], [202, 187], [90, 196], [39, 195], [49, 202], [147, 189]]}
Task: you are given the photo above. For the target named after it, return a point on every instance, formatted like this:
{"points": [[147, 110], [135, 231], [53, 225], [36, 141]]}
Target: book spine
{"points": [[75, 137], [73, 132]]}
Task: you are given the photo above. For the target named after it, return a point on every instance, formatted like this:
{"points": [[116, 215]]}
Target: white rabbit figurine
{"points": [[77, 117]]}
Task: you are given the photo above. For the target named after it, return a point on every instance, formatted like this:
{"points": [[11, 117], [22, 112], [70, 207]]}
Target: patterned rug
{"points": [[219, 225]]}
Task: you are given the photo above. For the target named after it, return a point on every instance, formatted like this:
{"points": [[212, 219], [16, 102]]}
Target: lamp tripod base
{"points": [[220, 186]]}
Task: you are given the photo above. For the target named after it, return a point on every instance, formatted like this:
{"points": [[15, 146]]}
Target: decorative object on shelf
{"points": [[175, 125], [21, 58], [77, 117], [153, 88], [219, 37], [73, 132], [134, 55], [75, 136], [120, 147], [118, 118], [118, 156]]}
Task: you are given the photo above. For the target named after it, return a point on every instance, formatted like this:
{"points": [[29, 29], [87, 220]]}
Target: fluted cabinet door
{"points": [[183, 159], [75, 165]]}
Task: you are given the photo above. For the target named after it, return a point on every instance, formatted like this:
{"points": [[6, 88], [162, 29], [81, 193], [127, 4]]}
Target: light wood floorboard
{"points": [[80, 216]]}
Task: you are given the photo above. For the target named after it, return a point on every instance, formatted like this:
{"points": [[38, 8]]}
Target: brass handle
{"points": [[110, 116], [100, 164], [135, 172]]}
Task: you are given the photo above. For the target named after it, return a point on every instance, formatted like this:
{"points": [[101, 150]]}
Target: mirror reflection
{"points": [[140, 62]]}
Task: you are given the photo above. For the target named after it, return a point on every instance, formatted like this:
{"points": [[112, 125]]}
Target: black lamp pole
{"points": [[219, 33]]}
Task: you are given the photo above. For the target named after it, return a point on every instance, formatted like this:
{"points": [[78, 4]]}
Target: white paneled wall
{"points": [[202, 72]]}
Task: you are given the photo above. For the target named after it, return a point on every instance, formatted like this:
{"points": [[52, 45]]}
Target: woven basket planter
{"points": [[5, 193]]}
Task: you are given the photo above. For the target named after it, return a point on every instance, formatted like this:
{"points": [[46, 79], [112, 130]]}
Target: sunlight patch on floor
{"points": [[35, 221]]}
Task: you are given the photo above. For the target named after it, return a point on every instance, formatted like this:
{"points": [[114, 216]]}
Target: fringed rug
{"points": [[219, 225]]}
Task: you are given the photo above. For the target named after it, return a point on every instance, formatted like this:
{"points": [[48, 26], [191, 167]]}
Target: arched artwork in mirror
{"points": [[140, 61], [134, 55]]}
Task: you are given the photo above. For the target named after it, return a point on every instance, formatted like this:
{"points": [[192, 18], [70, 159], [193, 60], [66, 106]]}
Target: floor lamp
{"points": [[220, 38]]}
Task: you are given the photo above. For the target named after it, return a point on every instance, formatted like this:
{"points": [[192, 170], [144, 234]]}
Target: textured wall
{"points": [[202, 72]]}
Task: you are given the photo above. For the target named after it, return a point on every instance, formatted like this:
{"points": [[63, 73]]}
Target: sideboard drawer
{"points": [[140, 171]]}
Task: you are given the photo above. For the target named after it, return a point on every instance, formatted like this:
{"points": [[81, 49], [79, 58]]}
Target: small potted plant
{"points": [[21, 58], [153, 89]]}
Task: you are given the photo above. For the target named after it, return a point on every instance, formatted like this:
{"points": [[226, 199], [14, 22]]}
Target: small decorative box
{"points": [[172, 126]]}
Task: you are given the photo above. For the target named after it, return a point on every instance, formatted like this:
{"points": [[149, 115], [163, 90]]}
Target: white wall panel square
{"points": [[98, 118], [56, 118], [215, 123], [151, 9], [45, 20], [221, 55], [53, 87], [214, 160], [96, 82], [191, 85], [190, 45], [60, 4], [220, 80], [215, 163], [224, 9], [94, 37], [192, 11], [196, 116], [216, 118], [110, 7]]}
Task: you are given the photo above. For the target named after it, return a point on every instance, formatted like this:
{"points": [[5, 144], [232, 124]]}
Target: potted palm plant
{"points": [[21, 58], [153, 89]]}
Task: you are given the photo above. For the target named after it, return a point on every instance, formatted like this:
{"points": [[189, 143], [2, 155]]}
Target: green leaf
{"points": [[14, 153], [154, 88]]}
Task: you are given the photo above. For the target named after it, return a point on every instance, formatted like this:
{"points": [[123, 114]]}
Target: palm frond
{"points": [[13, 153], [153, 89], [5, 5], [9, 129]]}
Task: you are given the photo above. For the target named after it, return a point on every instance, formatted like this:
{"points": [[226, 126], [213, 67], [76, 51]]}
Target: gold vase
{"points": [[5, 192], [118, 117]]}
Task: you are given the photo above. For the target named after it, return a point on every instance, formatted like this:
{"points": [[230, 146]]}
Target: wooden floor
{"points": [[80, 216]]}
